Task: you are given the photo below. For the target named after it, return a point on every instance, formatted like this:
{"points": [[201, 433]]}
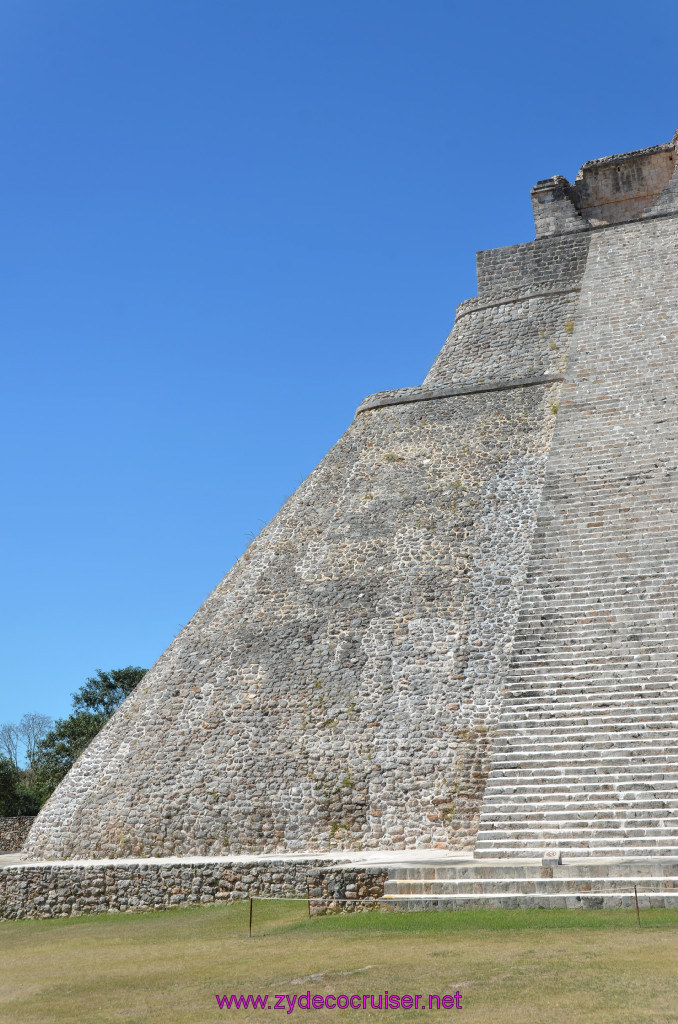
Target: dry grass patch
{"points": [[517, 967]]}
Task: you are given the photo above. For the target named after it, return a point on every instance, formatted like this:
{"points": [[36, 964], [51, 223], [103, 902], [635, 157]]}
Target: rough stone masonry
{"points": [[461, 627]]}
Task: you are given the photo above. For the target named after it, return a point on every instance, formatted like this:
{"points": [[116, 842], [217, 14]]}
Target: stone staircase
{"points": [[585, 755], [593, 884], [588, 769]]}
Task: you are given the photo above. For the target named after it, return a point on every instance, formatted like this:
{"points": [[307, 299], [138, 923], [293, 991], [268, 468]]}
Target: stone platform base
{"points": [[72, 888], [592, 883], [391, 880]]}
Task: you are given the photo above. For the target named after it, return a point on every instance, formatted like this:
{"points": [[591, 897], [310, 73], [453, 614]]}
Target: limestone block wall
{"points": [[554, 209], [611, 190], [521, 323], [616, 189], [13, 832], [105, 887], [545, 265], [510, 340], [667, 201], [338, 687]]}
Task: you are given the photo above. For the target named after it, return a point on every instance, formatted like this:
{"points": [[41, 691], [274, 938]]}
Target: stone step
{"points": [[583, 716], [564, 901], [583, 726], [578, 653], [588, 677], [583, 713], [544, 734], [548, 793], [623, 777], [613, 844], [544, 803], [576, 688], [498, 801], [579, 600], [558, 769], [572, 839], [624, 766], [561, 796], [577, 826], [635, 579], [626, 752], [594, 735], [642, 771], [590, 601], [570, 635], [533, 842], [630, 742], [579, 667], [526, 803], [631, 808], [641, 742], [648, 868], [607, 785], [569, 641], [639, 817], [507, 781], [586, 882], [538, 813], [582, 721], [570, 526], [579, 684], [534, 884], [623, 743], [587, 586], [586, 682], [571, 824], [604, 833], [558, 671], [568, 665], [616, 730], [603, 709], [502, 851], [616, 724], [584, 758], [585, 612]]}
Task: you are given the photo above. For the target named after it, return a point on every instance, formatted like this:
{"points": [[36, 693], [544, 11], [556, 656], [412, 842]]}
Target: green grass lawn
{"points": [[513, 966]]}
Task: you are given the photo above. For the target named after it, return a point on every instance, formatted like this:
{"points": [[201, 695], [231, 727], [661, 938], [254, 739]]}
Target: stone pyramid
{"points": [[462, 626]]}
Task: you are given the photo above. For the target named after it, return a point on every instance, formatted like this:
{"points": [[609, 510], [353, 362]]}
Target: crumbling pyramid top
{"points": [[609, 190]]}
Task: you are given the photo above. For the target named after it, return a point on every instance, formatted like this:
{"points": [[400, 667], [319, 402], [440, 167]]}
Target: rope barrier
{"points": [[382, 901]]}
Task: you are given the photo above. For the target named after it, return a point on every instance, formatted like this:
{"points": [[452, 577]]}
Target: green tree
{"points": [[15, 796], [103, 693], [93, 705]]}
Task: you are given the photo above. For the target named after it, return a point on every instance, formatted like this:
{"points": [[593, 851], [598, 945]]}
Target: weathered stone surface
{"points": [[13, 833], [586, 754], [338, 687], [577, 885], [70, 890], [348, 681]]}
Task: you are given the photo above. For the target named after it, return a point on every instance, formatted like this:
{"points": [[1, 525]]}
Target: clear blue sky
{"points": [[224, 222]]}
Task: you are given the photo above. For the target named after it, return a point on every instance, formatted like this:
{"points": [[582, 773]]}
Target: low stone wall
{"points": [[98, 887], [13, 832]]}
